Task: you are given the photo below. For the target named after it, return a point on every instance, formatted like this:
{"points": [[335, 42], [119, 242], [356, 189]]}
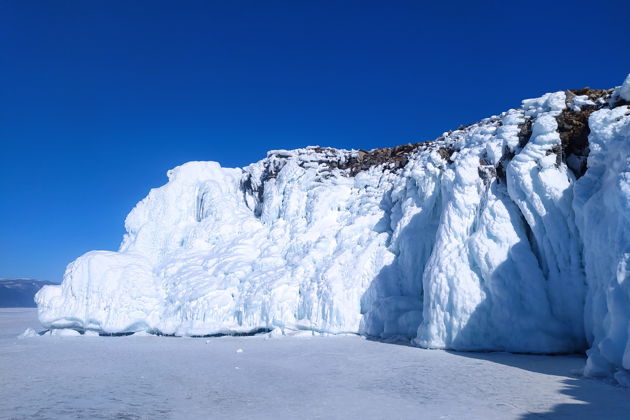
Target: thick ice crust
{"points": [[489, 238]]}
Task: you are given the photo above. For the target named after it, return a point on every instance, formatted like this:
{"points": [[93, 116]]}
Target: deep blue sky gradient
{"points": [[98, 99]]}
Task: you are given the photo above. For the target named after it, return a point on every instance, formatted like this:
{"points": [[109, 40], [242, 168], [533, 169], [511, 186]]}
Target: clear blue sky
{"points": [[98, 99]]}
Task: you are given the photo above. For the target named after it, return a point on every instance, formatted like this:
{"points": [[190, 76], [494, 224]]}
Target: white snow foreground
{"points": [[490, 238]]}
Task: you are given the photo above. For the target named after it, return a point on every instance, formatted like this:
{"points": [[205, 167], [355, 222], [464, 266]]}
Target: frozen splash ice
{"points": [[484, 239]]}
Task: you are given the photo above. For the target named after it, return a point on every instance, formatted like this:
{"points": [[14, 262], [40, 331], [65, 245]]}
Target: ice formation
{"points": [[510, 234]]}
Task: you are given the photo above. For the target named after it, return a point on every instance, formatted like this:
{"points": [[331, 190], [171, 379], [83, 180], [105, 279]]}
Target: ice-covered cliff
{"points": [[509, 234]]}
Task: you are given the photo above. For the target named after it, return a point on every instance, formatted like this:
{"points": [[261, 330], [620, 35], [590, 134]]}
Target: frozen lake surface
{"points": [[147, 377]]}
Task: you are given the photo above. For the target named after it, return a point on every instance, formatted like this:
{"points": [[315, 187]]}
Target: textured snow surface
{"points": [[483, 240], [306, 377]]}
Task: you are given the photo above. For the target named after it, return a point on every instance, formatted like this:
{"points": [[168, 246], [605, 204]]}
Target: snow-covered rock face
{"points": [[495, 236]]}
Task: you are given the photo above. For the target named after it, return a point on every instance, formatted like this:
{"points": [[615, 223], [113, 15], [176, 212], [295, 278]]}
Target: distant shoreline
{"points": [[19, 293]]}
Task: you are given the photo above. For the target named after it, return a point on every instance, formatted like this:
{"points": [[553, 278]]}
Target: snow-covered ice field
{"points": [[149, 377]]}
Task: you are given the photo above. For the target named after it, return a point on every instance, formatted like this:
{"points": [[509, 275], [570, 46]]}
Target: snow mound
{"points": [[28, 333], [511, 234], [65, 332]]}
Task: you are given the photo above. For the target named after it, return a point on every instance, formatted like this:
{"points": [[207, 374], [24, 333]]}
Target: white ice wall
{"points": [[602, 205], [446, 251]]}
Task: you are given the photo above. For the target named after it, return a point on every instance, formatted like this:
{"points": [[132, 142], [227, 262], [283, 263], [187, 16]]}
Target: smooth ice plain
{"points": [[305, 376]]}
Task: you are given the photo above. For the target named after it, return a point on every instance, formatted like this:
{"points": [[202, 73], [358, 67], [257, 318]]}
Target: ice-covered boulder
{"points": [[510, 234]]}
